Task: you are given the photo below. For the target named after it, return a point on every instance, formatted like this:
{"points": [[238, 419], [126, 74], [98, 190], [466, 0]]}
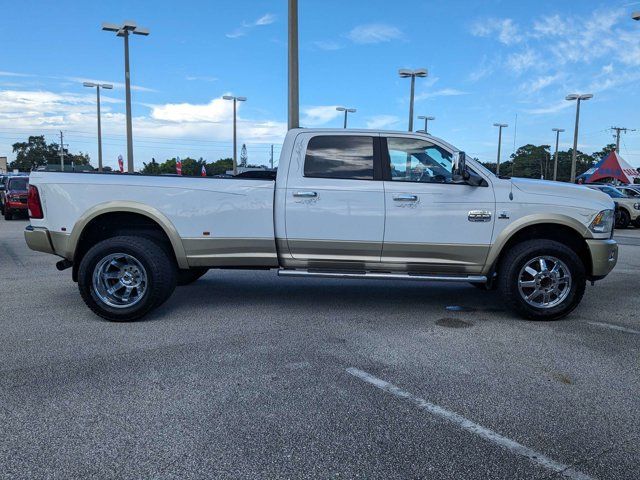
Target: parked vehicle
{"points": [[628, 207], [630, 190], [4, 179], [14, 196], [344, 204]]}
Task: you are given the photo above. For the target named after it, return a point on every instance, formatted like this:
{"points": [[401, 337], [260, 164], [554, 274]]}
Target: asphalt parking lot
{"points": [[247, 375]]}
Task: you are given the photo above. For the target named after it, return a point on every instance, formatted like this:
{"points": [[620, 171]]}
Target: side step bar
{"points": [[381, 276]]}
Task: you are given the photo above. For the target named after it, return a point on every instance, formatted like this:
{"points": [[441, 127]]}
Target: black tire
{"points": [[158, 265], [515, 260], [624, 220], [636, 222], [8, 214], [190, 275]]}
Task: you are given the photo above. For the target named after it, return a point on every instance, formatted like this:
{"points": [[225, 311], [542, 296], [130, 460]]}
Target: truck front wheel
{"points": [[542, 279], [123, 278]]}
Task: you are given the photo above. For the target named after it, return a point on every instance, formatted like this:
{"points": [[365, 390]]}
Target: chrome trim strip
{"points": [[382, 276]]}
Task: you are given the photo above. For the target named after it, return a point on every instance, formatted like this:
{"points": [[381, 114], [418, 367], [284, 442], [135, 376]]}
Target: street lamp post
{"points": [[293, 87], [346, 111], [426, 121], [123, 31], [98, 86], [555, 162], [406, 73], [235, 143], [500, 127], [635, 15], [579, 98]]}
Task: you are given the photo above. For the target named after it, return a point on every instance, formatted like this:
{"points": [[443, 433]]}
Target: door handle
{"points": [[405, 198], [305, 194]]}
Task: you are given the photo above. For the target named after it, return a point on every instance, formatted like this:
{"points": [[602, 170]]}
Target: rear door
{"points": [[335, 200]]}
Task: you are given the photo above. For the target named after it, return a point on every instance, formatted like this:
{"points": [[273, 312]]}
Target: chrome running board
{"points": [[381, 276]]}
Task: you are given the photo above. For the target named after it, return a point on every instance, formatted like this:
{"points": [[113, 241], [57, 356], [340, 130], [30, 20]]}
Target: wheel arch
{"points": [[557, 227], [104, 211]]}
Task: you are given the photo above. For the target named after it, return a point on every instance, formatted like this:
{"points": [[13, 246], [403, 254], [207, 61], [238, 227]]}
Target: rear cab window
{"points": [[18, 183], [348, 157]]}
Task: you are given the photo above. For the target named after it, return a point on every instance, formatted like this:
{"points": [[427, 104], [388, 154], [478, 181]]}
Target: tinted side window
{"points": [[340, 156]]}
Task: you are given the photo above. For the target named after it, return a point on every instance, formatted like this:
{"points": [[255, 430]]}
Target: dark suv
{"points": [[13, 197]]}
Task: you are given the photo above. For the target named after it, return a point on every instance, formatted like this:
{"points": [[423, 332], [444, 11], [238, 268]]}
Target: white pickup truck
{"points": [[344, 204]]}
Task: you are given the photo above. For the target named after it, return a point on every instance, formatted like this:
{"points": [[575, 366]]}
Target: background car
{"points": [[14, 196], [628, 207], [632, 191]]}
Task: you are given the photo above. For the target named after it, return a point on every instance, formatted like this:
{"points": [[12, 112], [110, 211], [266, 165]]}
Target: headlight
{"points": [[603, 223], [636, 206]]}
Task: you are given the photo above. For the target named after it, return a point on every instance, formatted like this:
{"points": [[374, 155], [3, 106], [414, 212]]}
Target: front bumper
{"points": [[38, 239], [604, 256]]}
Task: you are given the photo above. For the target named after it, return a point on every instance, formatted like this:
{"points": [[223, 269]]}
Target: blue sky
{"points": [[488, 62]]}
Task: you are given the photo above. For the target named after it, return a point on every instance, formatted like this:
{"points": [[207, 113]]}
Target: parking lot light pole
{"points": [[123, 31], [578, 98], [426, 121], [98, 86], [235, 143], [555, 162], [346, 111], [406, 73], [500, 127], [635, 15]]}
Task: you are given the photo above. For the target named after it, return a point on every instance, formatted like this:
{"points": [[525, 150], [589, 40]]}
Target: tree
{"points": [[190, 167], [244, 157], [36, 152], [597, 156]]}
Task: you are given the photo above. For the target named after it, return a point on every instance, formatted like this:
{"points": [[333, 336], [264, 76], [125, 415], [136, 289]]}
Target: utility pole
{"points": [[406, 73], [98, 86], [123, 31], [271, 161], [61, 152], [294, 88], [500, 127], [426, 121], [579, 98], [235, 143], [618, 130], [555, 162]]}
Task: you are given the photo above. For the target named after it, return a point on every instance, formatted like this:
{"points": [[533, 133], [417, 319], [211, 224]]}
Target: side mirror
{"points": [[460, 172]]}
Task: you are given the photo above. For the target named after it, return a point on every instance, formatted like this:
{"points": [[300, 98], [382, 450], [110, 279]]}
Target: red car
{"points": [[15, 197]]}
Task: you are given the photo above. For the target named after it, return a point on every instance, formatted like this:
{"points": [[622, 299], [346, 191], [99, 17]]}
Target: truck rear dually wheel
{"points": [[542, 279], [123, 278]]}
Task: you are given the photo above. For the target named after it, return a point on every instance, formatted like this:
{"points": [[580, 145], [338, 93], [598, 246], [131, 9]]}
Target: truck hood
{"points": [[567, 194]]}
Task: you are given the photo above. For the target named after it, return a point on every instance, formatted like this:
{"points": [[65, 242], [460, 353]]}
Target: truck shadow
{"points": [[264, 290]]}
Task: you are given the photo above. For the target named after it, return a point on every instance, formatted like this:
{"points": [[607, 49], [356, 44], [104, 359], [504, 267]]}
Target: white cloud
{"points": [[217, 110], [118, 85], [381, 122], [242, 30], [14, 74], [319, 115], [506, 30], [328, 45], [553, 108], [374, 33], [443, 92], [551, 25], [522, 61], [200, 78], [539, 83]]}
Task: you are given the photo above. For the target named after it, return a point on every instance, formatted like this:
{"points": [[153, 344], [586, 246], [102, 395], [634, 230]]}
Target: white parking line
{"points": [[615, 327], [471, 427]]}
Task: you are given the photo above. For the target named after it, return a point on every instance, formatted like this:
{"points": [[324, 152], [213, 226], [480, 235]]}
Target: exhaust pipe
{"points": [[64, 264]]}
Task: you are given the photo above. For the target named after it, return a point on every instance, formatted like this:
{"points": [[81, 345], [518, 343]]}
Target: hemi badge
{"points": [[503, 214]]}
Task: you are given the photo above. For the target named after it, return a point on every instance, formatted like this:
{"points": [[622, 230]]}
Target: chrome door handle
{"points": [[305, 194], [405, 198]]}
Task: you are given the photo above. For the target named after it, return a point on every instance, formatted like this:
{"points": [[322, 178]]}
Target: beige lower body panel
{"points": [[604, 256], [394, 257], [231, 252]]}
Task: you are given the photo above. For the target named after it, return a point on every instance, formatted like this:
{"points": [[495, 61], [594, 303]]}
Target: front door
{"points": [[432, 224], [335, 201]]}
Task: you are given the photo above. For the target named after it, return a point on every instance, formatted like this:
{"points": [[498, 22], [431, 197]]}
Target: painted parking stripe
{"points": [[471, 427], [615, 327]]}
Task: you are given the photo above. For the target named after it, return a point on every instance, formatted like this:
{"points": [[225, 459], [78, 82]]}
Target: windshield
{"points": [[613, 192], [20, 183]]}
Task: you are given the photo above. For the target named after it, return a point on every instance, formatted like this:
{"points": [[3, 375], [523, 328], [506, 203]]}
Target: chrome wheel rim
{"points": [[544, 282], [119, 280]]}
